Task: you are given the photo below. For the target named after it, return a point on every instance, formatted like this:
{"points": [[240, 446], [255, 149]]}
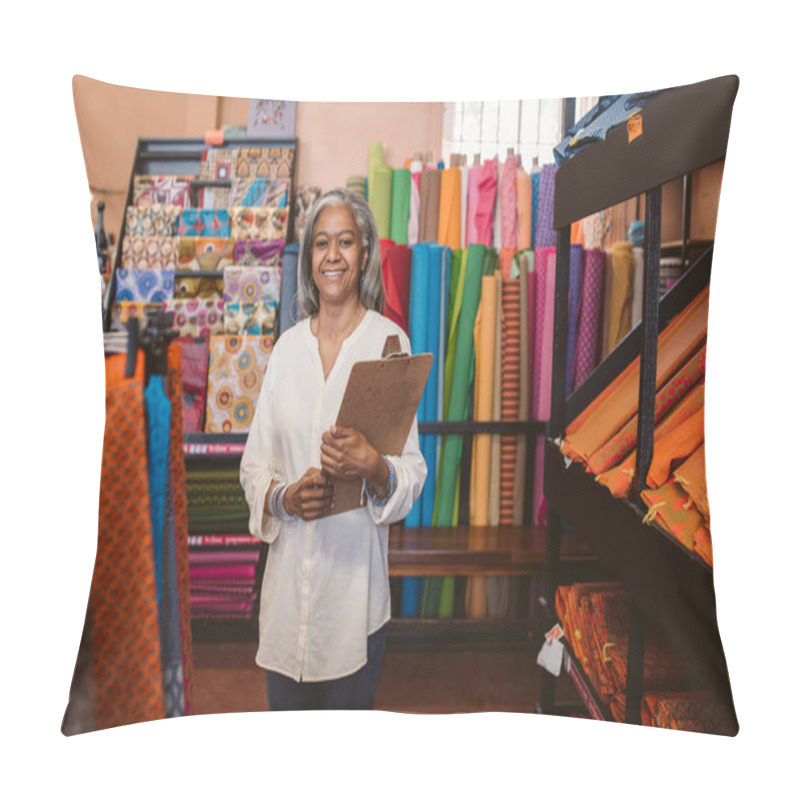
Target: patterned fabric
{"points": [[260, 192], [675, 447], [171, 190], [216, 164], [258, 223], [175, 371], [264, 162], [194, 378], [235, 372], [545, 235], [208, 254], [145, 285], [196, 317], [216, 495], [150, 252], [508, 202], [510, 389], [306, 197], [615, 450], [258, 252], [691, 475], [591, 303], [700, 712], [673, 511], [203, 288], [122, 601], [122, 312], [207, 222], [155, 220], [252, 284], [250, 319]]}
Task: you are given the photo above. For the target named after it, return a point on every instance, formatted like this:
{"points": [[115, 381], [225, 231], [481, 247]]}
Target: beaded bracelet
{"points": [[381, 500]]}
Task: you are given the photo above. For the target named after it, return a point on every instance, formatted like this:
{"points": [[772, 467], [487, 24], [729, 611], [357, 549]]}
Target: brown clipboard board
{"points": [[380, 401]]}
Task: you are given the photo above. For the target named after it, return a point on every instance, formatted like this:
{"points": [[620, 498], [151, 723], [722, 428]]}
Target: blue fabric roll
{"points": [[157, 407], [289, 313], [575, 275]]}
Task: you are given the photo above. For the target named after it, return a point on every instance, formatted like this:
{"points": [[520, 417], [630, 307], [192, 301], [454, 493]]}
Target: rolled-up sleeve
{"points": [[258, 469]]}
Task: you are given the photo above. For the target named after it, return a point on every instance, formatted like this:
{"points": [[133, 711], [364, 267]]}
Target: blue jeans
{"points": [[353, 692]]}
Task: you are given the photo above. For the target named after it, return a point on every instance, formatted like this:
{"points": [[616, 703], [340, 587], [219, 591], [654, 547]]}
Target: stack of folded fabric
{"points": [[223, 582]]}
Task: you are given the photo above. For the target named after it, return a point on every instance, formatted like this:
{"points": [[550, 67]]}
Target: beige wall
{"points": [[333, 138]]}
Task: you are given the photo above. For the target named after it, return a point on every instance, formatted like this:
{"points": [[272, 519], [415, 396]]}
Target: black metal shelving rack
{"points": [[684, 129]]}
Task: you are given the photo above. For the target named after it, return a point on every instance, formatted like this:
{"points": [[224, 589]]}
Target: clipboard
{"points": [[380, 401]]}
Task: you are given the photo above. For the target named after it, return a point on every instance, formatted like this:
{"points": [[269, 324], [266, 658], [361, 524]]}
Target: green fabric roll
{"points": [[490, 261], [374, 159], [401, 205], [459, 389], [380, 200]]}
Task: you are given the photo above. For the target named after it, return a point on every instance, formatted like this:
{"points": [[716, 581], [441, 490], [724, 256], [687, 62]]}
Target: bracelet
{"points": [[381, 500], [276, 504]]}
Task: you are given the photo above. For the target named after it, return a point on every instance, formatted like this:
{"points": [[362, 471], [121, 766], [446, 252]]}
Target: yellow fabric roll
{"points": [[494, 472], [620, 297], [524, 210], [374, 160], [484, 333], [450, 209]]}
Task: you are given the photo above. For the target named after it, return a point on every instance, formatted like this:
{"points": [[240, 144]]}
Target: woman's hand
{"points": [[311, 497], [347, 454]]}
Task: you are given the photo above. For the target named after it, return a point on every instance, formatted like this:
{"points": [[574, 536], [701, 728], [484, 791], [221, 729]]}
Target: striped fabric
{"points": [[510, 388]]}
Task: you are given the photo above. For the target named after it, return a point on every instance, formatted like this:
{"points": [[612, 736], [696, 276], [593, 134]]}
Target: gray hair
{"points": [[370, 287]]}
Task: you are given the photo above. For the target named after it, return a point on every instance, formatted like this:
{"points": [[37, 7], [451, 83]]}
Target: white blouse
{"points": [[326, 582]]}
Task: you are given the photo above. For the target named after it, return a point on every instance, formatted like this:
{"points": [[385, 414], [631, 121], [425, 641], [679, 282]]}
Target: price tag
{"points": [[551, 656], [634, 128]]}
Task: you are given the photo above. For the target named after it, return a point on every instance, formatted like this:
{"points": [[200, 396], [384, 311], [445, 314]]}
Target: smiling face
{"points": [[337, 256]]}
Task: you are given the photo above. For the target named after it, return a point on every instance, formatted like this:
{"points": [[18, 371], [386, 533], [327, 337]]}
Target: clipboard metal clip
{"points": [[391, 348]]}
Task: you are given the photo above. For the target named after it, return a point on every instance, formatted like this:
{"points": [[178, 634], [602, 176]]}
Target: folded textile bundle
{"points": [[260, 192], [145, 285], [150, 252], [215, 495], [195, 317], [699, 711], [152, 220], [166, 189], [206, 253], [259, 223], [206, 222]]}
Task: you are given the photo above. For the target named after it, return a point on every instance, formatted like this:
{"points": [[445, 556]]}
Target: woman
{"points": [[325, 595]]}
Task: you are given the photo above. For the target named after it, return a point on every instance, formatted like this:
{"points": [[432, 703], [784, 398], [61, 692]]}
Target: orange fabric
{"points": [[675, 446], [673, 511], [702, 546], [691, 475], [450, 209], [614, 450], [619, 480], [115, 370], [524, 209], [576, 233], [611, 410], [505, 260], [699, 711], [123, 609]]}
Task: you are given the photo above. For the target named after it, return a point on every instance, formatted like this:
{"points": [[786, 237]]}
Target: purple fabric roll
{"points": [[258, 252], [545, 235], [589, 316], [223, 557], [575, 276], [228, 572]]}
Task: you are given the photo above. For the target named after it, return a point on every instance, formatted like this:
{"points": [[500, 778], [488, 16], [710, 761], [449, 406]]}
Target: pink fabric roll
{"points": [[524, 216], [589, 313], [473, 196], [223, 557], [539, 502], [484, 215], [532, 360], [232, 572], [544, 278], [508, 203], [413, 211]]}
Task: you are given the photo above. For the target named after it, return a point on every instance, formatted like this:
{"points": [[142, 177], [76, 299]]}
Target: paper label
{"points": [[551, 656], [634, 128]]}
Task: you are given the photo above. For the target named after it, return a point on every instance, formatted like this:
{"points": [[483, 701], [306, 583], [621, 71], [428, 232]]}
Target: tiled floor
{"points": [[448, 680]]}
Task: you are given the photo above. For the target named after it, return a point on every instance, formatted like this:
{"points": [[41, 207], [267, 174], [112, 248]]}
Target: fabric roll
{"points": [[531, 307], [535, 181], [700, 712], [396, 268], [484, 334], [591, 303], [473, 198], [374, 160], [400, 205], [415, 168], [510, 395], [289, 311], [358, 185], [497, 406], [484, 212], [497, 219], [622, 443], [505, 262], [429, 198], [638, 286], [457, 410], [676, 446], [545, 235], [524, 391], [449, 225], [380, 199], [524, 213], [508, 203], [430, 396], [673, 511], [123, 608], [613, 407], [464, 204], [545, 310], [575, 276], [539, 501], [691, 475], [620, 301]]}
